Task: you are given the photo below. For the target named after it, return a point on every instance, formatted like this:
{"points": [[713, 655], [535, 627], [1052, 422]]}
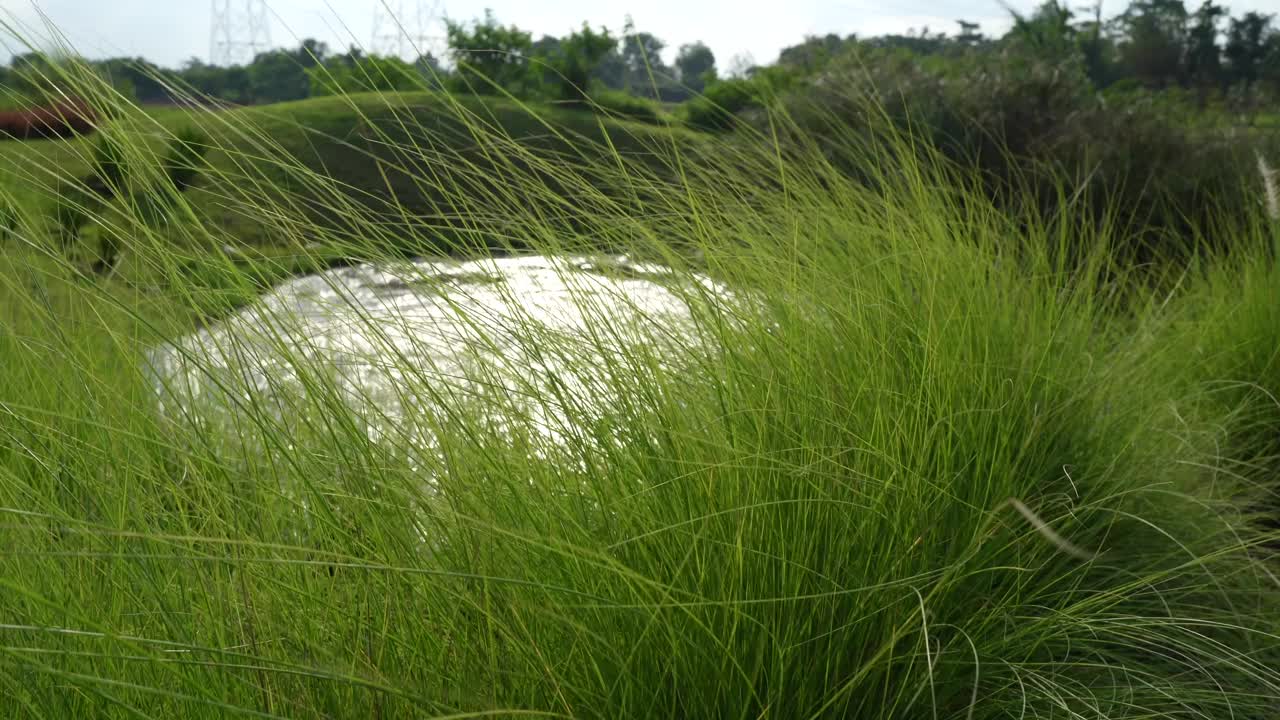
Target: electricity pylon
{"points": [[239, 31]]}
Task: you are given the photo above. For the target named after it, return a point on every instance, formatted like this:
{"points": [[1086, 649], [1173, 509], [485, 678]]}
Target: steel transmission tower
{"points": [[240, 30], [402, 28]]}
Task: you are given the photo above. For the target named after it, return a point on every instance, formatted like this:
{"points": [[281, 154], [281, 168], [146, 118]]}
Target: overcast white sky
{"points": [[169, 31]]}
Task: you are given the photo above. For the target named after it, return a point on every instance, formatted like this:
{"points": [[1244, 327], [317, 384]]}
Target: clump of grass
{"points": [[1222, 337], [917, 470]]}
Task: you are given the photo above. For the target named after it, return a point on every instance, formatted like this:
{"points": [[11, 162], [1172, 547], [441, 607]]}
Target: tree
{"points": [[544, 55], [741, 66], [814, 53], [1247, 47], [312, 52], [1047, 31], [278, 76], [226, 84], [352, 56], [970, 34], [33, 73], [580, 54], [433, 73], [697, 66], [370, 73], [919, 42], [611, 72], [489, 55], [1204, 56], [1155, 41], [642, 63], [135, 78], [1097, 48]]}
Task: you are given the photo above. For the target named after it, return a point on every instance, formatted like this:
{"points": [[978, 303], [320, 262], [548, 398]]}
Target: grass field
{"points": [[928, 470]]}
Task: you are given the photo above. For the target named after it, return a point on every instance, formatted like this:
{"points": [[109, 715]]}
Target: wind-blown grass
{"points": [[924, 472]]}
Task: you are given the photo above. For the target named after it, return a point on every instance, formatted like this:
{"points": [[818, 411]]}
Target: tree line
{"points": [[1152, 44], [486, 57]]}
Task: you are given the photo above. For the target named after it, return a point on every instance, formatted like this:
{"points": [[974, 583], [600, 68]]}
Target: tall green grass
{"points": [[928, 467]]}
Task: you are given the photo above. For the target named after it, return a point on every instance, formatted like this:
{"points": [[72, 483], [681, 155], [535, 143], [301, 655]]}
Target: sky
{"points": [[170, 31]]}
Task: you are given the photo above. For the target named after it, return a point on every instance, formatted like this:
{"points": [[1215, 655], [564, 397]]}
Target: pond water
{"points": [[541, 342]]}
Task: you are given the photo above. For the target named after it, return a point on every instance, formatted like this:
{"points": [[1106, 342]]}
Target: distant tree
{"points": [[643, 64], [611, 72], [488, 54], [278, 76], [352, 56], [312, 52], [429, 64], [229, 84], [547, 46], [32, 73], [1247, 47], [697, 66], [1097, 48], [1048, 31], [370, 73], [1204, 55], [970, 34], [814, 53], [919, 42], [544, 61], [641, 51], [433, 73], [581, 52], [135, 78], [1155, 41], [741, 66]]}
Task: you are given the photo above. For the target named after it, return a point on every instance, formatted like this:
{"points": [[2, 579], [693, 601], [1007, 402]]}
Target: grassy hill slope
{"points": [[291, 187]]}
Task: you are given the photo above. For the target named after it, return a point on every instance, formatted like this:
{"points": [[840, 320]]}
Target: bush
{"points": [[624, 105], [720, 106], [1037, 132]]}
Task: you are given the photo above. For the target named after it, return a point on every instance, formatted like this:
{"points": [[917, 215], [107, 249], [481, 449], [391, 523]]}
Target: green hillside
{"points": [[411, 173]]}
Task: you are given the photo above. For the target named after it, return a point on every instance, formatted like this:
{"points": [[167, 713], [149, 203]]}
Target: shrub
{"points": [[625, 105], [1036, 132], [720, 106]]}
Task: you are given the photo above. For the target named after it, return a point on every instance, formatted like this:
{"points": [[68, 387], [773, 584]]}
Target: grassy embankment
{"points": [[927, 472]]}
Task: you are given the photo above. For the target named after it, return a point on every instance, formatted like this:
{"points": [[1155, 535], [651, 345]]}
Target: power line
{"points": [[239, 31], [401, 28]]}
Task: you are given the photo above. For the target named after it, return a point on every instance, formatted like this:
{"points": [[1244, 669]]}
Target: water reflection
{"points": [[526, 344]]}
